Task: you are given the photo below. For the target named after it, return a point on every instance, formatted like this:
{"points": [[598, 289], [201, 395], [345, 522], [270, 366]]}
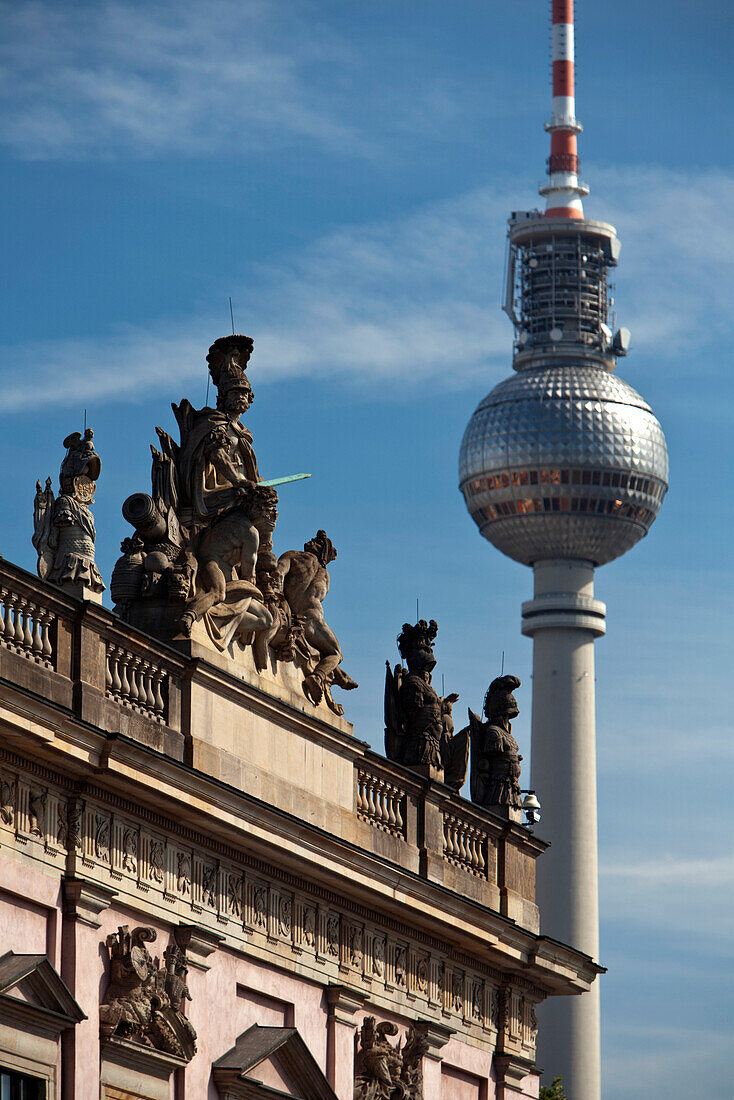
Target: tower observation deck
{"points": [[564, 467]]}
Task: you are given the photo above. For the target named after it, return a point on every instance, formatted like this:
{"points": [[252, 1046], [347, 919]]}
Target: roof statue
{"points": [[64, 533], [419, 728], [202, 552], [304, 582], [495, 758]]}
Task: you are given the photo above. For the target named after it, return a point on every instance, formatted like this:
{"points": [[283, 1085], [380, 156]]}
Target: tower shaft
{"points": [[563, 620]]}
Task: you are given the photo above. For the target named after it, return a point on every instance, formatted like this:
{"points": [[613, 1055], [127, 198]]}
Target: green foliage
{"points": [[555, 1091]]}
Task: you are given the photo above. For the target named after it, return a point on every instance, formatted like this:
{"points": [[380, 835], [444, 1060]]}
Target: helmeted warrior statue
{"points": [[495, 759], [418, 722], [202, 551], [64, 531]]}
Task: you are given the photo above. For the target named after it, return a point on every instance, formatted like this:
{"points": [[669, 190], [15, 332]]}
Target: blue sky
{"points": [[345, 170]]}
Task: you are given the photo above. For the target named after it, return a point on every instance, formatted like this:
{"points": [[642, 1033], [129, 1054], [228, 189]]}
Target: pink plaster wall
{"points": [[457, 1085], [30, 905], [237, 993], [464, 1073]]}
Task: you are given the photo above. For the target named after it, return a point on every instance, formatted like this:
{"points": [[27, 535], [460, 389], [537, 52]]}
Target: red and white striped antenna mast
{"points": [[563, 191]]}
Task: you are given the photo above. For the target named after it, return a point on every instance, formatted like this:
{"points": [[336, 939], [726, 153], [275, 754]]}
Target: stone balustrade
{"points": [[380, 803], [464, 844], [26, 627], [136, 683], [251, 734]]}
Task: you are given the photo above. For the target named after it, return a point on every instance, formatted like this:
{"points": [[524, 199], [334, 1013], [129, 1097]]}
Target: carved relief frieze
{"points": [[477, 1002], [206, 884], [435, 982], [491, 1007], [235, 892], [378, 956], [154, 861], [8, 796], [274, 910], [422, 975], [183, 876], [101, 838], [257, 905], [457, 993], [285, 917], [355, 948], [515, 1015], [309, 927], [400, 966], [529, 1024], [62, 823], [75, 825], [37, 799], [129, 847]]}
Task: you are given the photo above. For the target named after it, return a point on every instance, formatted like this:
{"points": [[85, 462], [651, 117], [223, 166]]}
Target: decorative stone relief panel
{"points": [[250, 903]]}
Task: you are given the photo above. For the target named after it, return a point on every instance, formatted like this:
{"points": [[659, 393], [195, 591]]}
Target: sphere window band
{"points": [[613, 479], [579, 505]]}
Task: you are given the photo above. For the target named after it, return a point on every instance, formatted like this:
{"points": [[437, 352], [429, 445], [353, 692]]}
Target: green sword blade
{"points": [[284, 480]]}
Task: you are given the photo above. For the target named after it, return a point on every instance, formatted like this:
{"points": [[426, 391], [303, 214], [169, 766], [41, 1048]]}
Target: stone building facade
{"points": [[209, 887], [310, 883]]}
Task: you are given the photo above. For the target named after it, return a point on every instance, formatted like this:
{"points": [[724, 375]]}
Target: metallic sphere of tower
{"points": [[563, 462]]}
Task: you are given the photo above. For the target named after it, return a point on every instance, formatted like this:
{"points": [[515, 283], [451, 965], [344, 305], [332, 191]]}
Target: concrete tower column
{"points": [[563, 620]]}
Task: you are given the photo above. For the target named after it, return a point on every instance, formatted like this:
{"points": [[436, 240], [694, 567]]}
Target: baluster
{"points": [[8, 628], [456, 837], [108, 670], [133, 678], [391, 818], [371, 799], [398, 810], [473, 853], [158, 704], [124, 682], [380, 801], [451, 838], [481, 861], [148, 688], [143, 675], [360, 793], [19, 625], [463, 850], [46, 647], [37, 643], [115, 669], [385, 803], [27, 634]]}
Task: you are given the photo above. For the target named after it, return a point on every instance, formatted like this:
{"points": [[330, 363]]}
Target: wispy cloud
{"points": [[667, 1062], [417, 299], [670, 892], [676, 278], [670, 870], [145, 79]]}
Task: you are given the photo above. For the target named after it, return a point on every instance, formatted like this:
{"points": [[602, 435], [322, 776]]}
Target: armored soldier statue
{"points": [[418, 722], [495, 759]]}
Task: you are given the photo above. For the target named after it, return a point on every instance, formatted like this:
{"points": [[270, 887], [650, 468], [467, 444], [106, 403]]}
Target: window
{"points": [[17, 1086]]}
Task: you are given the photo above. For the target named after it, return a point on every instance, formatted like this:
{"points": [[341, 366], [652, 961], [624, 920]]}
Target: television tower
{"points": [[564, 467]]}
